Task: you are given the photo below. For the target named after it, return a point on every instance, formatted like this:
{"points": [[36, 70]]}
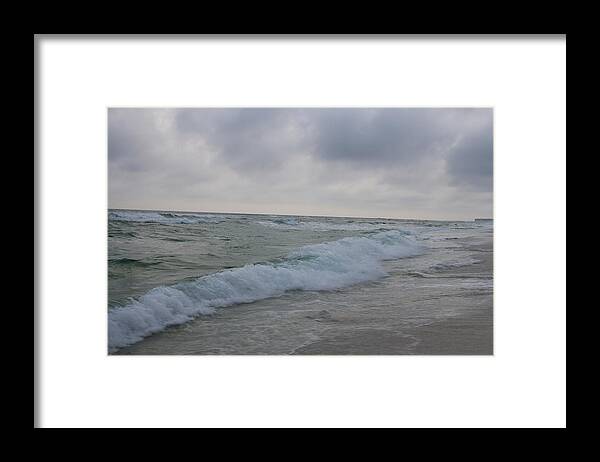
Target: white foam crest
{"points": [[325, 266]]}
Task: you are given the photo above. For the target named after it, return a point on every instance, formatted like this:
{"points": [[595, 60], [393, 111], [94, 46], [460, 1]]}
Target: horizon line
{"points": [[295, 215]]}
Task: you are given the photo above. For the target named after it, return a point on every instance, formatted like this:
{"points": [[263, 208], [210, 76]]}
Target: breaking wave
{"points": [[326, 266]]}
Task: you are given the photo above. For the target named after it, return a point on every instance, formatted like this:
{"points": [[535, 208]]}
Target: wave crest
{"points": [[325, 266]]}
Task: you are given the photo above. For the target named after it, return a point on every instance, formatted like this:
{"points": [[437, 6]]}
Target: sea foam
{"points": [[326, 266]]}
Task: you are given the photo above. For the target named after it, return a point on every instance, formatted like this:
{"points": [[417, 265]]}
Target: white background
{"points": [[523, 384]]}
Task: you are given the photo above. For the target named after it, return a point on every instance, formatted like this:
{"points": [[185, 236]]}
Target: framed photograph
{"points": [[297, 231]]}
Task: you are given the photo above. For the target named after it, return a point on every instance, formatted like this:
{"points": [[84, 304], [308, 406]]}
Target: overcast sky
{"points": [[397, 163]]}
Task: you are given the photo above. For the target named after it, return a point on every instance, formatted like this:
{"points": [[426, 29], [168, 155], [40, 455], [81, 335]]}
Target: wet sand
{"points": [[468, 334]]}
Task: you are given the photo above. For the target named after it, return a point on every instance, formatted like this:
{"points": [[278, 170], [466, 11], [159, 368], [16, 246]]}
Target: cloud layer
{"points": [[402, 163]]}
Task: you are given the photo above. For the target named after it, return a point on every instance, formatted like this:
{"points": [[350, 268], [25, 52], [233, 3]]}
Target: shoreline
{"points": [[447, 312], [469, 333]]}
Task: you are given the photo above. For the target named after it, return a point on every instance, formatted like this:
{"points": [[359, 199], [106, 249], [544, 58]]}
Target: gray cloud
{"points": [[404, 162], [470, 162]]}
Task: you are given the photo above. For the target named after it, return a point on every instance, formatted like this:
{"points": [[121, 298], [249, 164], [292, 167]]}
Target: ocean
{"points": [[212, 283]]}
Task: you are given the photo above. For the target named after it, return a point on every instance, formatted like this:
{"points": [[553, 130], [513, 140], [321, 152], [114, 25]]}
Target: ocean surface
{"points": [[208, 283]]}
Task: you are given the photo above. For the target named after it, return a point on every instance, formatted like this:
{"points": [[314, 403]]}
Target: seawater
{"points": [[169, 268]]}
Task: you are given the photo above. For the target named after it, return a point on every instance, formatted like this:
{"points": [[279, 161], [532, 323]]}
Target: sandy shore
{"points": [[470, 334], [467, 334]]}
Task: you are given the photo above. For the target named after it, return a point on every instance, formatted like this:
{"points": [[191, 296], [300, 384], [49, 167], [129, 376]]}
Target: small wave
{"points": [[176, 239], [325, 266], [163, 217], [285, 221], [131, 262], [420, 274], [457, 263], [294, 224], [119, 234]]}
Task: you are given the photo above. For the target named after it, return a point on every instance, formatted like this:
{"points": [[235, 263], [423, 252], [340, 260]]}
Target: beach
{"points": [[434, 301]]}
